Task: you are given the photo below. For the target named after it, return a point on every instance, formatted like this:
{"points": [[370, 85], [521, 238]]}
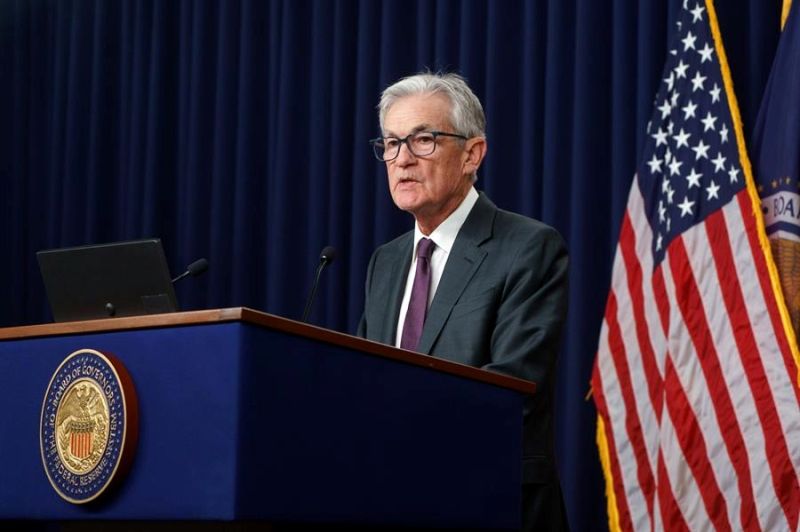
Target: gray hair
{"points": [[466, 111]]}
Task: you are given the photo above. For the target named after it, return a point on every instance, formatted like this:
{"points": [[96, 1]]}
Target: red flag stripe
{"points": [[680, 479], [644, 246], [652, 375], [616, 472], [748, 219], [783, 476], [633, 427], [671, 516], [693, 445], [688, 299], [630, 333], [729, 325]]}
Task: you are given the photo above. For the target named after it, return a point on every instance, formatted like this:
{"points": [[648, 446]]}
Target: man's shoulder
{"points": [[517, 227]]}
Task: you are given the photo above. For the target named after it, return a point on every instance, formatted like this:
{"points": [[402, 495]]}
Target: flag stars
{"points": [[709, 121], [654, 164], [705, 53], [689, 110], [719, 163], [660, 137], [686, 207], [733, 173], [723, 134], [682, 139], [688, 41], [665, 184], [714, 92], [662, 211], [680, 70], [697, 81], [659, 242], [670, 81], [675, 166], [674, 98], [697, 13], [701, 150], [712, 190], [665, 109], [693, 178], [669, 223], [670, 197]]}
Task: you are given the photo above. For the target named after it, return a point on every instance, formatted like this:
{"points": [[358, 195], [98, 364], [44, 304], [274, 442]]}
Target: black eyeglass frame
{"points": [[405, 139]]}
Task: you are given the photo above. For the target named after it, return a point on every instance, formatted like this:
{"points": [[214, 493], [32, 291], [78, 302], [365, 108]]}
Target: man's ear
{"points": [[474, 152]]}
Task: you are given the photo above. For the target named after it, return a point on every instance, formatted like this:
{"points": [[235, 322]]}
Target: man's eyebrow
{"points": [[417, 129]]}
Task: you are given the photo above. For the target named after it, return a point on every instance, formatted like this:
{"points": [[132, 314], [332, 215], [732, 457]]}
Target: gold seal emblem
{"points": [[82, 426], [88, 426]]}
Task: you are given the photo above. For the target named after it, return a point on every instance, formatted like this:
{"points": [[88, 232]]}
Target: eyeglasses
{"points": [[420, 144]]}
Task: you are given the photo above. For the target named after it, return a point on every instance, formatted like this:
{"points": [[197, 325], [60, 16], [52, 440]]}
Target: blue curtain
{"points": [[237, 131]]}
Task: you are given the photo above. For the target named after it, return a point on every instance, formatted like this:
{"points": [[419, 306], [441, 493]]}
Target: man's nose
{"points": [[404, 156]]}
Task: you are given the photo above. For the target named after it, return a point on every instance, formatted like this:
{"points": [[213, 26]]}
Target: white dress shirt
{"points": [[443, 236]]}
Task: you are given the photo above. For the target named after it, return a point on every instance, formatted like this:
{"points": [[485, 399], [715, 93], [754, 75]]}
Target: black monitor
{"points": [[106, 280]]}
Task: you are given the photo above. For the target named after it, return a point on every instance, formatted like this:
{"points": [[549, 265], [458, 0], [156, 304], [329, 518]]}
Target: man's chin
{"points": [[406, 202]]}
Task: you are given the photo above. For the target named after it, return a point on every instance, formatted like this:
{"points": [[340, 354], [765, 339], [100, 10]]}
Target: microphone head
{"points": [[328, 254], [197, 267]]}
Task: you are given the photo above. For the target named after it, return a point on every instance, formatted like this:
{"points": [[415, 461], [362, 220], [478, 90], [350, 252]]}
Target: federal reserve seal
{"points": [[89, 425]]}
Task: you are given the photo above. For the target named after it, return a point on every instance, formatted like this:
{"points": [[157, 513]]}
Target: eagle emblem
{"points": [[89, 425]]}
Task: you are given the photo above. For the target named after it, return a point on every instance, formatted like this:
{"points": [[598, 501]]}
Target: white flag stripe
{"points": [[733, 371], [644, 245], [625, 455], [689, 371], [681, 481], [644, 407], [780, 383]]}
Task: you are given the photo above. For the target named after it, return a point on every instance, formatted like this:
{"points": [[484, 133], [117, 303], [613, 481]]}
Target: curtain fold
{"points": [[237, 130]]}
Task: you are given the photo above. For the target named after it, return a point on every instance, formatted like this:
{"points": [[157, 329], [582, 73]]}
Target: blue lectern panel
{"points": [[397, 443], [244, 422], [187, 382]]}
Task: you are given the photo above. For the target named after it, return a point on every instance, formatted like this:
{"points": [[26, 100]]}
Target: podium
{"points": [[249, 416]]}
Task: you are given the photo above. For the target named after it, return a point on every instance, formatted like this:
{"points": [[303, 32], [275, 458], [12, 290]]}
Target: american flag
{"points": [[694, 382]]}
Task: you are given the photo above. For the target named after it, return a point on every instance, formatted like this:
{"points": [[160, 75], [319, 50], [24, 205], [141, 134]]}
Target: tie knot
{"points": [[425, 248]]}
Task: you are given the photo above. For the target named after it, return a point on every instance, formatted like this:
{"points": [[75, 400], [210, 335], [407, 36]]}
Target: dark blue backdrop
{"points": [[238, 130]]}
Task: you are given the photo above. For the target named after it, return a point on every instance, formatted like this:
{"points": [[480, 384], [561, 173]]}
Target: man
{"points": [[471, 283]]}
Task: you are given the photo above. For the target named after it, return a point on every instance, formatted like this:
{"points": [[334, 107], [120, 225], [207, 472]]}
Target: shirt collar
{"points": [[444, 236]]}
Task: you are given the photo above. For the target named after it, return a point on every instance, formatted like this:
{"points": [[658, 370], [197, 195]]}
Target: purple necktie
{"points": [[418, 304]]}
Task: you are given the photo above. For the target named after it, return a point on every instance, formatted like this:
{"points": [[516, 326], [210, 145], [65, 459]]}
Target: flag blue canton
{"points": [[690, 166]]}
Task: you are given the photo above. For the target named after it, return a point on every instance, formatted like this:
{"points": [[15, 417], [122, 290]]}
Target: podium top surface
{"points": [[261, 319]]}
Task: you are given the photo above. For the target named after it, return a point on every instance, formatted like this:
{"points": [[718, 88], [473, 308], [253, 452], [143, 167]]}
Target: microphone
{"points": [[194, 269], [325, 258]]}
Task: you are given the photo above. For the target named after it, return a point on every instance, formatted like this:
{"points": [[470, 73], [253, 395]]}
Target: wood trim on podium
{"points": [[270, 321]]}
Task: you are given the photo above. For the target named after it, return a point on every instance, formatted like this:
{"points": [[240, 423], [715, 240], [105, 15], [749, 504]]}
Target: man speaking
{"points": [[471, 283]]}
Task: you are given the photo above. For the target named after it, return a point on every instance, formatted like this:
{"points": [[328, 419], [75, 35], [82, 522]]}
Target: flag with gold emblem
{"points": [[776, 162]]}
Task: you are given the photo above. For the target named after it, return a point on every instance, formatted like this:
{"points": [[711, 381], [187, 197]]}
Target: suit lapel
{"points": [[464, 260], [394, 284]]}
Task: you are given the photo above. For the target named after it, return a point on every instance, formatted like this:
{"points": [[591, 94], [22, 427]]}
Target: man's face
{"points": [[429, 187]]}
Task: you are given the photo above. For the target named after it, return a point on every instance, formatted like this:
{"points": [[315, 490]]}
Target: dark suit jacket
{"points": [[500, 305]]}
